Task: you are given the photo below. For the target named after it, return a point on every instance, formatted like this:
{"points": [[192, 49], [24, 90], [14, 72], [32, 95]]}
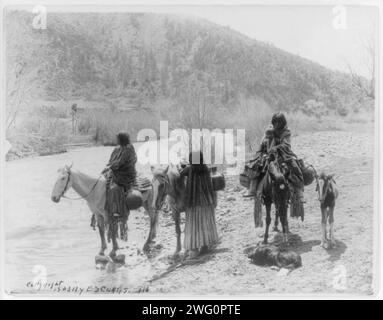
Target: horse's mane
{"points": [[84, 175]]}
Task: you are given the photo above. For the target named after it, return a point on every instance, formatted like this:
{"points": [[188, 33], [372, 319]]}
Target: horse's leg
{"points": [[155, 223], [101, 229], [258, 211], [283, 216], [268, 221], [114, 226], [153, 214], [323, 222], [276, 221], [177, 218], [331, 222]]}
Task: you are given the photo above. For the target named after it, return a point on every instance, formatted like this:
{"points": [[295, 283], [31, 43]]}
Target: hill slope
{"points": [[143, 57]]}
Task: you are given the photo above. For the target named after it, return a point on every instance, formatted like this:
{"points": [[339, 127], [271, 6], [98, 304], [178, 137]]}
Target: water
{"points": [[48, 242]]}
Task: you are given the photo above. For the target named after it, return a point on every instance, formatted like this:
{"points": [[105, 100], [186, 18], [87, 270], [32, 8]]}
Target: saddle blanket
{"points": [[142, 183]]}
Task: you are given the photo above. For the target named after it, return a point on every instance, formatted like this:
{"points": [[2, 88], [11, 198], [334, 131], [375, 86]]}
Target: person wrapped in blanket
{"points": [[201, 200], [277, 140], [120, 174]]}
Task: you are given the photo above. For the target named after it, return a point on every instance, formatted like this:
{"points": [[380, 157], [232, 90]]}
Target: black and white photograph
{"points": [[190, 150]]}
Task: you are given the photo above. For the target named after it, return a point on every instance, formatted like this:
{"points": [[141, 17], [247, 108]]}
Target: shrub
{"points": [[103, 125], [343, 111], [53, 112], [38, 136]]}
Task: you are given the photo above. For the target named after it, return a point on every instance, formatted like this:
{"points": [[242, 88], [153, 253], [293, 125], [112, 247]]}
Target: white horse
{"points": [[93, 191]]}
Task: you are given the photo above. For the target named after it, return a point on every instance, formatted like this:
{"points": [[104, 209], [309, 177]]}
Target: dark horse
{"points": [[274, 189]]}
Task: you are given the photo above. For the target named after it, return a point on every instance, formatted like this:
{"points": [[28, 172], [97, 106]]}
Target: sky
{"points": [[336, 39], [307, 31]]}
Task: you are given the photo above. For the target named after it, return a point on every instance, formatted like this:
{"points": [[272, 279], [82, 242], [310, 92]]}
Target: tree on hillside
{"points": [[366, 86]]}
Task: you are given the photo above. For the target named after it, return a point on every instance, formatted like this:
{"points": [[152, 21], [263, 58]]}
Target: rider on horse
{"points": [[277, 141], [121, 175]]}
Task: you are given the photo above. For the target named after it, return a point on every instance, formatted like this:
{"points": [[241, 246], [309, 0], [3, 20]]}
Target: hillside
{"points": [[142, 58], [143, 68]]}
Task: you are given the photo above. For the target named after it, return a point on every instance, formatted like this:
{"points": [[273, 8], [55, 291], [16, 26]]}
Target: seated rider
{"points": [[277, 140], [120, 173]]}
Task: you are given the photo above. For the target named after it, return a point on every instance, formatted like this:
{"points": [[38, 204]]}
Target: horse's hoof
{"points": [[275, 229], [101, 259], [146, 248], [265, 242], [119, 259]]}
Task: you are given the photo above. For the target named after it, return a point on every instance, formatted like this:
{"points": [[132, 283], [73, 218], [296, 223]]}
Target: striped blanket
{"points": [[142, 183]]}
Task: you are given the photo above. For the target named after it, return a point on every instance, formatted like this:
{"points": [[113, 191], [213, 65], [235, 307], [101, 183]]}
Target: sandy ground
{"points": [[348, 268]]}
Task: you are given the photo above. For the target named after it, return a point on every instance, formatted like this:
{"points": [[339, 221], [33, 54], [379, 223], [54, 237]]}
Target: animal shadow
{"points": [[295, 243], [337, 251]]}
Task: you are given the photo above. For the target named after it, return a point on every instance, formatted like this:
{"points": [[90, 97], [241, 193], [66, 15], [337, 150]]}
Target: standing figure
{"points": [[201, 201], [74, 118]]}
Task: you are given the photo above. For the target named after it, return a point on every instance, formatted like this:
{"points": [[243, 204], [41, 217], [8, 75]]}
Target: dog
{"points": [[271, 255]]}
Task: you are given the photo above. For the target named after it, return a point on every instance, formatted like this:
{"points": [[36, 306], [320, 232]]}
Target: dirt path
{"points": [[227, 270]]}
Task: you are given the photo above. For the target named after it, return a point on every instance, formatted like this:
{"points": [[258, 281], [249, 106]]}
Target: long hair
{"points": [[198, 167], [123, 138]]}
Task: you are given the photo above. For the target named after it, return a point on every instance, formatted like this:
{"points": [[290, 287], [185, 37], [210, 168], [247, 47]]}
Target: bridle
{"points": [[67, 184], [327, 186]]}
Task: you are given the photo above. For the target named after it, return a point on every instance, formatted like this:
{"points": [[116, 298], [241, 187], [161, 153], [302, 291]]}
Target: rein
{"points": [[79, 198]]}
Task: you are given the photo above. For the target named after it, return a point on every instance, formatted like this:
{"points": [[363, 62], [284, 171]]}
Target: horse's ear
{"points": [[67, 168], [333, 176], [152, 168], [167, 169]]}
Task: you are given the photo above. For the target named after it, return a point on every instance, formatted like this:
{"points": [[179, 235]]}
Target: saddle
{"points": [[133, 196]]}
